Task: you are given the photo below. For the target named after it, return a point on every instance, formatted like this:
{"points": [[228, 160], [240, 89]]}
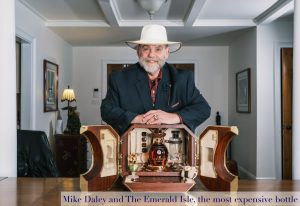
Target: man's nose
{"points": [[151, 53]]}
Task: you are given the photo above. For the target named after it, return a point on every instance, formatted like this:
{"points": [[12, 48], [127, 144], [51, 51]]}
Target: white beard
{"points": [[151, 68]]}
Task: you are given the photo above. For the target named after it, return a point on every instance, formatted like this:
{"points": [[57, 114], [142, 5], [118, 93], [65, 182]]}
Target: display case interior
{"points": [[158, 158], [157, 150], [156, 155]]}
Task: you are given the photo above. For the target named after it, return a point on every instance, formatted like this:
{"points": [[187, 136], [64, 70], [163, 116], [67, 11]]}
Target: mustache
{"points": [[151, 59]]}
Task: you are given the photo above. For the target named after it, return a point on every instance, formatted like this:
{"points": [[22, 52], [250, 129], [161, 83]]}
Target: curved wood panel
{"points": [[92, 180], [97, 155], [224, 179]]}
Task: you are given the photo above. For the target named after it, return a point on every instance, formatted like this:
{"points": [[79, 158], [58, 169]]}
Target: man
{"points": [[151, 91]]}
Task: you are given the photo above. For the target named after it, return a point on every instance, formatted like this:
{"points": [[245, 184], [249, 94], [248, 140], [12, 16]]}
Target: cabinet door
{"points": [[105, 151], [213, 170], [71, 155]]}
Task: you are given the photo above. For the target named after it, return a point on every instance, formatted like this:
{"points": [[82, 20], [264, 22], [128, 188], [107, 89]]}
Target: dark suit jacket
{"points": [[129, 95]]}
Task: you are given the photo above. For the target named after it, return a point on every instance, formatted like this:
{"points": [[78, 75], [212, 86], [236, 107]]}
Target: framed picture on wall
{"points": [[50, 86], [243, 91]]}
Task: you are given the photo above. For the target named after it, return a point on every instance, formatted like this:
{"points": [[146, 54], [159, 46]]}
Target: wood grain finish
{"points": [[35, 191], [158, 185], [287, 119]]}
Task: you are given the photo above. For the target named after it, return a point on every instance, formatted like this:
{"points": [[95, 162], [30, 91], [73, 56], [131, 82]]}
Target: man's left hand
{"points": [[160, 117]]}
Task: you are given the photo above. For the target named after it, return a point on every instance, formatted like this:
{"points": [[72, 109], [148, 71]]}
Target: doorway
{"points": [[286, 110], [18, 81], [25, 81]]}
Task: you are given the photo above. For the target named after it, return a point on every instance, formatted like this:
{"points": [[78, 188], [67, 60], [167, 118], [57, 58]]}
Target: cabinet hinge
{"points": [[120, 169]]}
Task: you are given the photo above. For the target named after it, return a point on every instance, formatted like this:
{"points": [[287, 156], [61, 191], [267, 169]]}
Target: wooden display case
{"points": [[157, 158]]}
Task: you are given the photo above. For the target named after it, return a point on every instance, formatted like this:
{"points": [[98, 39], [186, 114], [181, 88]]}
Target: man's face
{"points": [[153, 57]]}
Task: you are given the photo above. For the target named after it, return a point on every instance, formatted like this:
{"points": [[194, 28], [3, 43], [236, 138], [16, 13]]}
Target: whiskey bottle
{"points": [[158, 154]]}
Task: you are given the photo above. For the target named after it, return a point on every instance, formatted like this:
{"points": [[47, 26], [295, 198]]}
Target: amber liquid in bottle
{"points": [[158, 153]]}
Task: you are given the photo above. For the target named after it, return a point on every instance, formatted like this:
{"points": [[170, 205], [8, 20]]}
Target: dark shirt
{"points": [[153, 86]]}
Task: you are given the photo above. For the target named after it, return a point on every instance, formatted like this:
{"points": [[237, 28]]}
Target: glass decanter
{"points": [[175, 147]]}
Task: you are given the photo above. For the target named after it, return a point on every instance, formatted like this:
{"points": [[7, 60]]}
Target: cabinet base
{"points": [[159, 184]]}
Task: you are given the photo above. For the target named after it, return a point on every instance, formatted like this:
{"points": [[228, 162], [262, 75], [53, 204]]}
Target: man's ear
{"points": [[138, 50], [167, 52]]}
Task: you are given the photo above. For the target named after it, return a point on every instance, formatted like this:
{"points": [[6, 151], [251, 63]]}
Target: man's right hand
{"points": [[156, 117], [138, 119]]}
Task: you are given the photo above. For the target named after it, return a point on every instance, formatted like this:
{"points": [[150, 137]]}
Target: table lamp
{"points": [[69, 96]]}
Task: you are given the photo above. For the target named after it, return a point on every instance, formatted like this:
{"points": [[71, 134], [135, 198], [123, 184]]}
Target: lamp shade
{"points": [[68, 95]]}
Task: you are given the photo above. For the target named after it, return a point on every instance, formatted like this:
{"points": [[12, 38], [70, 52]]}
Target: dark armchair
{"points": [[35, 158]]}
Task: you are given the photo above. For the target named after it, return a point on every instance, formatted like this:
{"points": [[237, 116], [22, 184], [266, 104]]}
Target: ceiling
{"points": [[193, 22]]}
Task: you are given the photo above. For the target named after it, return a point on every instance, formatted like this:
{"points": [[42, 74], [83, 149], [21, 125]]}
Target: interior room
{"points": [[77, 44]]}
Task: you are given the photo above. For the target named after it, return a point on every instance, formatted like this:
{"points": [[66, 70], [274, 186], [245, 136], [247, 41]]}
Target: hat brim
{"points": [[174, 46]]}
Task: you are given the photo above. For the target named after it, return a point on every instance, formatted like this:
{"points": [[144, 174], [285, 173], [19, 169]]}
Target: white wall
{"points": [[211, 74], [258, 147], [8, 120], [242, 55], [46, 45], [269, 39]]}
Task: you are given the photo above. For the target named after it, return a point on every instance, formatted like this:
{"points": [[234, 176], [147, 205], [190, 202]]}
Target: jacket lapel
{"points": [[143, 89], [164, 90]]}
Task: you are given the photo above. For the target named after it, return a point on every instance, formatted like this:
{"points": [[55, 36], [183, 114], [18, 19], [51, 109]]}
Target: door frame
{"points": [[28, 87], [104, 72], [277, 108]]}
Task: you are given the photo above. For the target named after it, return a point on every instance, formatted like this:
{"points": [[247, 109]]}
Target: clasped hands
{"points": [[156, 117]]}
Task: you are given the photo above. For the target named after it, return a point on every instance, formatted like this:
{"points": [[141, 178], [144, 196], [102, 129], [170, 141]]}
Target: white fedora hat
{"points": [[154, 34]]}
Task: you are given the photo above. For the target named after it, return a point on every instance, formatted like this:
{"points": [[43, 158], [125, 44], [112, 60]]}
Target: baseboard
{"points": [[245, 174], [266, 178]]}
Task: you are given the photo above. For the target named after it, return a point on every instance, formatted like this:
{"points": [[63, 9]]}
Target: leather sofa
{"points": [[35, 158]]}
